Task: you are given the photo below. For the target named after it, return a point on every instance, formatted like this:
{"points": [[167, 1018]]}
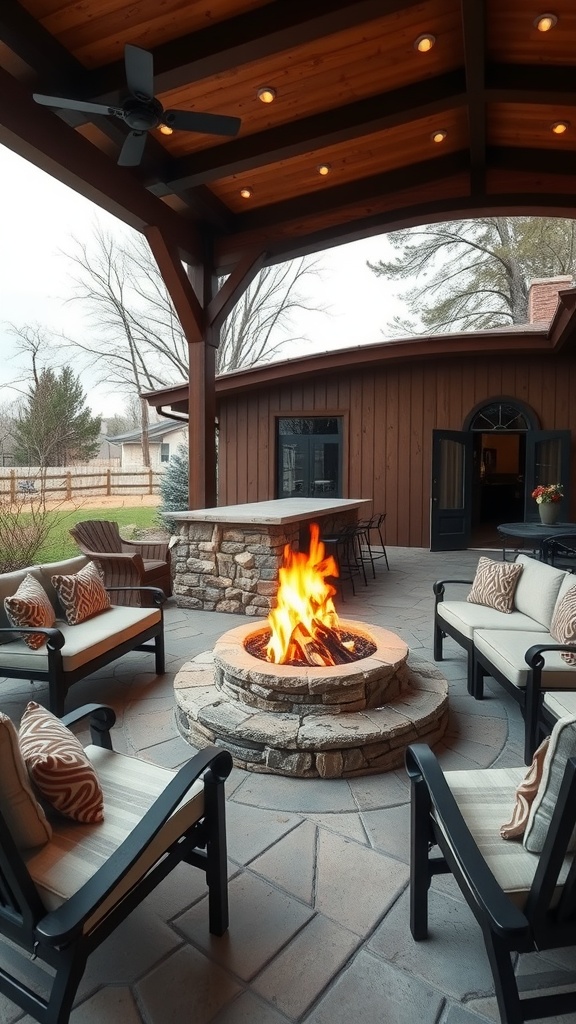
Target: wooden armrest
{"points": [[149, 549], [62, 924], [506, 918]]}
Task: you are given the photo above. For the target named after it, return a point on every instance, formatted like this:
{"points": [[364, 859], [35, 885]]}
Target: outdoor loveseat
{"points": [[515, 648], [73, 652]]}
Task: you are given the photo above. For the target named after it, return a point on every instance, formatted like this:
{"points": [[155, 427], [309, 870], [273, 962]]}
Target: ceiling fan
{"points": [[141, 111]]}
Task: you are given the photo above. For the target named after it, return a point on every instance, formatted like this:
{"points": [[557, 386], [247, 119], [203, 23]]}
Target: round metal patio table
{"points": [[535, 531]]}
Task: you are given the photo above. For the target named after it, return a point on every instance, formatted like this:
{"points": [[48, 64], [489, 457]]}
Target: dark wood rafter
{"points": [[40, 50], [474, 32], [39, 136], [186, 303], [529, 83], [344, 124], [234, 286]]}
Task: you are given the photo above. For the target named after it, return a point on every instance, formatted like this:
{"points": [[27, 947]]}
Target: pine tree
{"points": [[55, 426], [174, 487]]}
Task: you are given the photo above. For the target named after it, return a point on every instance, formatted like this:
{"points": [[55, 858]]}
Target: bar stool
{"points": [[344, 548], [377, 523]]}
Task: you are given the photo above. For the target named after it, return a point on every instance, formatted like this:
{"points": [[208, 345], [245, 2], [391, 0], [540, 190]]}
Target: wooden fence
{"points": [[66, 483]]}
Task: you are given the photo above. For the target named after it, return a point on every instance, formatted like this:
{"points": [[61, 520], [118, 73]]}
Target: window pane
{"points": [[451, 474]]}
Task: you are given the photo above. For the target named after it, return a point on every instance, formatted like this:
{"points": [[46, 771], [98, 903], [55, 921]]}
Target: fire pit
{"points": [[307, 694]]}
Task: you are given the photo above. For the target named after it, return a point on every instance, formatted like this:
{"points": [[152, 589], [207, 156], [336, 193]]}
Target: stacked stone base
{"points": [[312, 728]]}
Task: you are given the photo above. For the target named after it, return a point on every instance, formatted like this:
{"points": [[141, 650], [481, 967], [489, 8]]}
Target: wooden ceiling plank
{"points": [[186, 303], [235, 285], [42, 138], [271, 29], [364, 117], [474, 34]]}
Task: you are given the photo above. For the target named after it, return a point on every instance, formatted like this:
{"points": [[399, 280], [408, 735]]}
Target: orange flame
{"points": [[304, 597]]}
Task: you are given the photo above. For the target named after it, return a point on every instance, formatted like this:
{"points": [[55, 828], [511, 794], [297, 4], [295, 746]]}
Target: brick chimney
{"points": [[543, 297]]}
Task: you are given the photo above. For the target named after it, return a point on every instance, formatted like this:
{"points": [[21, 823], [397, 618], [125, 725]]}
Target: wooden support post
{"points": [[202, 427], [108, 481]]}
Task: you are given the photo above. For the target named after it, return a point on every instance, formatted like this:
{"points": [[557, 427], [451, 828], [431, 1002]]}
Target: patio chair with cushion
{"points": [[125, 563], [522, 888], [66, 882]]}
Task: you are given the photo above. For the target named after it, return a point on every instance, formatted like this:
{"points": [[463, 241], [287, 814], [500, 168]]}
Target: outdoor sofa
{"points": [[515, 648], [73, 652]]}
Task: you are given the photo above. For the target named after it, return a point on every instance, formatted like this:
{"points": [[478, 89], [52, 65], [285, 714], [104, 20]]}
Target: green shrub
{"points": [[174, 488]]}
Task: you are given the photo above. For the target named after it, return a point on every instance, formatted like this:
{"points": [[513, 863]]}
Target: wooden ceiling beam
{"points": [[522, 158], [527, 83], [363, 117], [234, 286], [248, 37], [39, 136], [27, 38], [474, 37]]}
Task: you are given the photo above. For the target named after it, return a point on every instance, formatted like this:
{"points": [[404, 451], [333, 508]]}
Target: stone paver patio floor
{"points": [[318, 868]]}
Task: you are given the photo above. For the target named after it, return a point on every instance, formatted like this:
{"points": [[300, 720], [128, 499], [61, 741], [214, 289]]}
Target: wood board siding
{"points": [[389, 414]]}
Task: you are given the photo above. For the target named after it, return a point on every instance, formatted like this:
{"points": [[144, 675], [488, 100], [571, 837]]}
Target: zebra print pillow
{"points": [[30, 606], [494, 584], [81, 595], [59, 767], [563, 627]]}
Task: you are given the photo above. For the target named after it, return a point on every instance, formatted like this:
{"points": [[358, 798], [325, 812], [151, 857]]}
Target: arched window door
{"points": [[485, 474]]}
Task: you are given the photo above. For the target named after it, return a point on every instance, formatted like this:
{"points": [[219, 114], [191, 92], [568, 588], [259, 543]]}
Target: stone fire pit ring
{"points": [[308, 722]]}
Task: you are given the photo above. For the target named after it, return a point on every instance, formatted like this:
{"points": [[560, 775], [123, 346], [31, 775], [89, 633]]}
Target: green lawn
{"points": [[61, 545]]}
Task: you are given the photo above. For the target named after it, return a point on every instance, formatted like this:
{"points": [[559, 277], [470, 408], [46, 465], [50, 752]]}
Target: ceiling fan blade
{"points": [[212, 124], [65, 104], [133, 149], [139, 71]]}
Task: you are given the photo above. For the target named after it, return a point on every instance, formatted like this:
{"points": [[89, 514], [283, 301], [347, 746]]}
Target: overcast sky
{"points": [[39, 215]]}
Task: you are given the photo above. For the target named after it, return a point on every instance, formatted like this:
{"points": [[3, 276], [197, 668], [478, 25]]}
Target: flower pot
{"points": [[549, 512]]}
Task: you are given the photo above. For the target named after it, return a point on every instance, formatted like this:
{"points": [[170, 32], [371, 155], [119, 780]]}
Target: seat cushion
{"points": [[30, 606], [485, 797], [76, 851], [467, 617], [506, 650], [537, 589], [89, 640], [22, 812], [561, 704], [494, 584], [58, 766]]}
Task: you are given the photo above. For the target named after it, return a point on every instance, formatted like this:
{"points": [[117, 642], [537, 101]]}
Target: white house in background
{"points": [[163, 439]]}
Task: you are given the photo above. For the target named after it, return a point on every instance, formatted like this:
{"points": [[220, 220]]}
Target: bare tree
{"points": [[135, 341]]}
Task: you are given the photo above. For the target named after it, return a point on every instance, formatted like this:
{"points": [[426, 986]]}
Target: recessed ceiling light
{"points": [[246, 193], [439, 136], [544, 22], [266, 94], [424, 42], [559, 127], [166, 129], [323, 168]]}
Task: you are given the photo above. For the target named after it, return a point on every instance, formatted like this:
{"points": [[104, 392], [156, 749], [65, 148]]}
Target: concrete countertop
{"points": [[276, 512]]}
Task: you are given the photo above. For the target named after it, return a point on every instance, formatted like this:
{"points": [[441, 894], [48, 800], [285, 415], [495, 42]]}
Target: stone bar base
{"points": [[234, 568], [312, 728]]}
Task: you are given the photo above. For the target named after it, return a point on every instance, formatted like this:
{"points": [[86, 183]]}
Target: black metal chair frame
{"points": [[344, 546], [376, 523], [560, 553], [442, 629], [544, 923], [57, 937]]}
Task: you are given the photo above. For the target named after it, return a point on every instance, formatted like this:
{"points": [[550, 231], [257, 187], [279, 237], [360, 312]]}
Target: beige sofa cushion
{"points": [[537, 589], [83, 642], [505, 651], [22, 812], [468, 617], [77, 851], [485, 798]]}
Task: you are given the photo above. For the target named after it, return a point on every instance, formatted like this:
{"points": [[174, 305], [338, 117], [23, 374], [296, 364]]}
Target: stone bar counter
{"points": [[227, 558]]}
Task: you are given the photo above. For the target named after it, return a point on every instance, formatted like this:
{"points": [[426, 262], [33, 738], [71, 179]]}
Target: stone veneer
{"points": [[234, 568], [338, 722]]}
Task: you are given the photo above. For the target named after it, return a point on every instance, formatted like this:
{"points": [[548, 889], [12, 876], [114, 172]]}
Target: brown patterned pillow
{"points": [[59, 767], [20, 808], [82, 595], [30, 606], [563, 627], [494, 584], [526, 794]]}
